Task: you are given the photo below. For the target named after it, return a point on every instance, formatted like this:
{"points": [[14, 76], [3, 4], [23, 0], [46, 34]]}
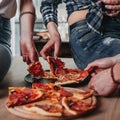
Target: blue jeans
{"points": [[87, 45], [5, 52]]}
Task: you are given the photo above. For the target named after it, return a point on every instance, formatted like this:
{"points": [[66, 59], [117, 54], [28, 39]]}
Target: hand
{"points": [[113, 5], [53, 44], [100, 64], [102, 83], [29, 52]]}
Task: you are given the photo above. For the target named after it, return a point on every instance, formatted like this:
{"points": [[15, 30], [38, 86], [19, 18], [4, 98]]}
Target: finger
{"points": [[113, 7], [92, 65], [90, 85], [111, 2], [42, 53], [113, 14], [34, 57], [24, 59], [89, 67], [28, 60], [44, 50], [56, 51]]}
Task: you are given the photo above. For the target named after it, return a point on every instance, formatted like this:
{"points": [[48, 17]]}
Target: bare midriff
{"points": [[77, 15]]}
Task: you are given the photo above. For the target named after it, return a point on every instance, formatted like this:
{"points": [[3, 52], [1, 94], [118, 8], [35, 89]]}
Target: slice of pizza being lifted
{"points": [[54, 63], [65, 75], [36, 69]]}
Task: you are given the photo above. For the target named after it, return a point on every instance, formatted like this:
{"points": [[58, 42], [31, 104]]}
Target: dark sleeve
{"points": [[48, 10]]}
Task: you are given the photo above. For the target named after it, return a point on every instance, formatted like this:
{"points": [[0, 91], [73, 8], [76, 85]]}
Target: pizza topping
{"points": [[50, 100], [58, 72], [36, 69], [47, 107], [54, 64], [22, 95], [56, 87], [65, 93], [74, 106]]}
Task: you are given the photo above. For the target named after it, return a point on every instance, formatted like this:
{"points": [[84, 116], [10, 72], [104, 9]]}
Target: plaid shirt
{"points": [[94, 17]]}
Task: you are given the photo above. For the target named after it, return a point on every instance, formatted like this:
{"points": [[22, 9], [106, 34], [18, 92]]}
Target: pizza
{"points": [[70, 75], [36, 69], [51, 101], [54, 63], [65, 75], [22, 95], [58, 71]]}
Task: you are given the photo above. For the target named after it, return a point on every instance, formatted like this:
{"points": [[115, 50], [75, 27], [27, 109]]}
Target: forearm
{"points": [[27, 20]]}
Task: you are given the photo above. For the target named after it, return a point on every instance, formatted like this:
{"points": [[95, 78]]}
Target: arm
{"points": [[27, 24], [49, 13], [103, 63], [105, 75]]}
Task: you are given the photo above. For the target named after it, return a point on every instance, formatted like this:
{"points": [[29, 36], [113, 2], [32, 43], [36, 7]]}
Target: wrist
{"points": [[115, 73], [52, 28]]}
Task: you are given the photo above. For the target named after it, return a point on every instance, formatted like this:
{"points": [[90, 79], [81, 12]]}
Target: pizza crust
{"points": [[66, 82], [67, 108]]}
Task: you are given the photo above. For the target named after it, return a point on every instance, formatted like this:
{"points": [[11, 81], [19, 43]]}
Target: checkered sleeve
{"points": [[49, 11]]}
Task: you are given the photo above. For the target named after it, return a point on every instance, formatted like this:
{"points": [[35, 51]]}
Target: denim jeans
{"points": [[87, 45], [5, 52]]}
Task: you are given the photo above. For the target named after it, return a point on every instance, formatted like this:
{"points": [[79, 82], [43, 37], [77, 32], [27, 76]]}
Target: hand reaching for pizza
{"points": [[53, 44], [99, 65], [29, 52]]}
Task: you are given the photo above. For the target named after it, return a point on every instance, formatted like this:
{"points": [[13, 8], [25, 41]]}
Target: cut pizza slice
{"points": [[22, 95], [36, 70], [52, 90], [75, 107], [70, 75], [54, 64], [45, 108]]}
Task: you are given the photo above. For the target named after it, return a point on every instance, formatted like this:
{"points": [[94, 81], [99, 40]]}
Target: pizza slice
{"points": [[52, 90], [22, 95], [46, 87], [36, 70], [70, 75], [45, 108], [54, 64], [65, 75], [75, 107]]}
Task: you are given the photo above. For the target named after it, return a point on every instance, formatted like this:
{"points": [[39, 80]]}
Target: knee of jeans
{"points": [[5, 61]]}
